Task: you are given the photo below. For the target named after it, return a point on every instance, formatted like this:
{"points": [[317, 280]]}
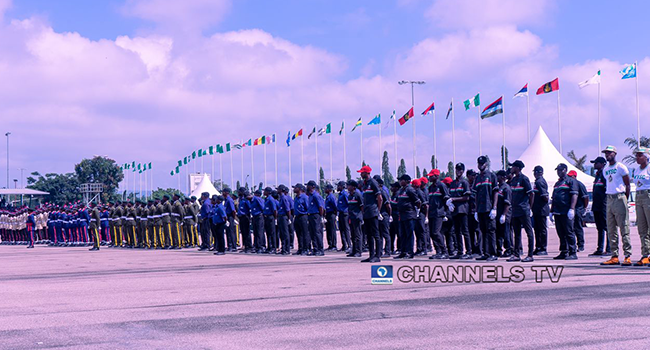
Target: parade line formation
{"points": [[478, 215]]}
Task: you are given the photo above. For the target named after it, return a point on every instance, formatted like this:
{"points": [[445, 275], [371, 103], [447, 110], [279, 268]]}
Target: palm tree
{"points": [[577, 162], [632, 143]]}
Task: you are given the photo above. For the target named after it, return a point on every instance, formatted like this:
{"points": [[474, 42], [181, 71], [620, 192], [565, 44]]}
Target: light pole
{"points": [[7, 134], [418, 82], [22, 183]]}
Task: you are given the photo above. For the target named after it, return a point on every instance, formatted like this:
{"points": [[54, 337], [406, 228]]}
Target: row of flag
{"points": [[132, 166]]}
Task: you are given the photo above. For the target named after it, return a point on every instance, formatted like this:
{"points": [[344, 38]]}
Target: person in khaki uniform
{"points": [[177, 215], [189, 224], [151, 228], [617, 177], [129, 225], [143, 214], [95, 219], [158, 223], [117, 224], [642, 182], [166, 221]]}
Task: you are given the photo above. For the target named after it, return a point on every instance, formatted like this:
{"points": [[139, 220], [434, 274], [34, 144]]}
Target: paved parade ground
{"points": [[185, 299]]}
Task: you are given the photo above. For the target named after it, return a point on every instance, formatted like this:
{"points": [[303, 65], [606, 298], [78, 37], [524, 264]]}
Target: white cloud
{"points": [[485, 13], [179, 15]]}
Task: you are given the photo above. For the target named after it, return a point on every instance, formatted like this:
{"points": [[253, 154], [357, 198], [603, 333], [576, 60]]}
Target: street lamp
{"points": [[412, 82], [7, 134]]}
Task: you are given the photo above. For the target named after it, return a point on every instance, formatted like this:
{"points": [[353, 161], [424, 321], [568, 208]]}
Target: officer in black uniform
{"points": [[372, 201], [486, 191], [407, 203], [540, 211], [459, 193], [581, 210], [394, 225], [504, 212], [386, 215], [565, 197], [355, 212], [599, 208], [343, 218], [522, 200], [437, 211]]}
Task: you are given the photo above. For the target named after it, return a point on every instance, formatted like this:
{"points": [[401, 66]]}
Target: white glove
{"points": [[236, 222], [530, 212], [493, 214], [571, 214], [444, 218], [450, 202], [289, 222], [451, 207], [380, 218], [227, 223], [390, 219], [426, 221], [476, 217], [502, 219], [276, 222], [552, 218], [324, 221], [417, 212]]}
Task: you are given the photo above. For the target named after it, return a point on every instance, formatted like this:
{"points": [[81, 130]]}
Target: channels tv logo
{"points": [[381, 274]]}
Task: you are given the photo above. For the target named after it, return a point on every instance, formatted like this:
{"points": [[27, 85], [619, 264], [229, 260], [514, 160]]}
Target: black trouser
{"points": [[461, 230], [218, 231], [355, 230], [316, 232], [394, 233], [231, 233], [258, 232], [488, 231], [601, 225], [541, 231], [330, 228], [577, 228], [447, 232], [419, 234], [504, 238], [283, 232], [406, 236], [371, 231], [206, 233], [269, 228], [245, 231], [384, 233], [344, 230], [435, 231], [302, 231], [291, 233], [517, 224], [475, 235], [564, 228]]}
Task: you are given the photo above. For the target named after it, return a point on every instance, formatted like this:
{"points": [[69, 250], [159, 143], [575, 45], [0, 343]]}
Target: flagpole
{"points": [[302, 158], [480, 137], [503, 152], [435, 153], [638, 116], [134, 176], [202, 162], [345, 154], [289, 151], [559, 121], [275, 146], [361, 142], [145, 186], [453, 130], [395, 143], [317, 163], [212, 166], [265, 182], [380, 148], [151, 185], [331, 162], [221, 169], [242, 160], [252, 166], [599, 118], [528, 115], [179, 180], [140, 184]]}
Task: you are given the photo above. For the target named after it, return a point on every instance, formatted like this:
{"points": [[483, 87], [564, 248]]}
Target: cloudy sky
{"points": [[153, 80]]}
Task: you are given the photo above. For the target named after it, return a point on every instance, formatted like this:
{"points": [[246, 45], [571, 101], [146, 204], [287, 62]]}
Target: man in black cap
{"points": [[563, 205], [330, 217], [344, 225], [386, 213], [166, 221], [355, 210], [231, 212], [540, 210], [475, 236], [316, 213], [177, 220], [301, 222], [407, 202], [459, 196], [95, 219], [257, 211], [599, 208], [284, 218], [437, 212], [206, 216], [219, 222], [270, 220], [372, 201], [486, 191], [522, 201], [244, 216], [504, 216], [581, 210], [394, 225]]}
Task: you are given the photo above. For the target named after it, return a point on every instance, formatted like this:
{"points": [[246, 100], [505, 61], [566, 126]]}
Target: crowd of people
{"points": [[476, 215]]}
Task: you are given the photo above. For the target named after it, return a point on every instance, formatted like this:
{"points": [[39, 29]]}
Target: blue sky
{"points": [[145, 68]]}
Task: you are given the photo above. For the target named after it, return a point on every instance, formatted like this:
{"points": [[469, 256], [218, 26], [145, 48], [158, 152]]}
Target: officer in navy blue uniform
{"points": [[486, 191], [330, 216], [206, 225], [563, 204], [244, 216], [355, 210], [394, 225], [541, 211], [343, 219], [523, 198], [257, 211], [284, 218], [301, 221], [231, 212], [219, 221], [270, 220], [420, 220], [408, 203], [316, 213]]}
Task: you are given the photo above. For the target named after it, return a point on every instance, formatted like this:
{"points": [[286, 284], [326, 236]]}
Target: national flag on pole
{"points": [[523, 92], [193, 154], [177, 170], [272, 138], [139, 166], [171, 173], [211, 150], [227, 147], [237, 146], [296, 135], [392, 117], [133, 164], [342, 128], [288, 138], [180, 163], [472, 102], [408, 115], [429, 109], [200, 152], [376, 120], [358, 123], [451, 108], [184, 161], [321, 131], [311, 133], [551, 86], [248, 143], [493, 109], [149, 167], [591, 81], [328, 128], [629, 71]]}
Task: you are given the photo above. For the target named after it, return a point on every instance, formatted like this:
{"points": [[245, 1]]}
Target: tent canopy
{"points": [[542, 152], [205, 186], [22, 191]]}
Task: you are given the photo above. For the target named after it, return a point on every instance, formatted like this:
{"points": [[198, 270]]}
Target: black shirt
{"points": [[599, 198], [582, 194], [438, 195], [385, 197], [355, 200], [370, 190], [521, 189], [484, 187], [505, 197], [407, 201], [460, 188], [563, 190], [540, 204]]}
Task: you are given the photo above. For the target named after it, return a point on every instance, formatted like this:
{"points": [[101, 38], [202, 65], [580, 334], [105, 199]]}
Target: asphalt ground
{"points": [[141, 299]]}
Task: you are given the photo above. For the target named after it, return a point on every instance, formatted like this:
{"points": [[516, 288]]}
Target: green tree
{"points": [[100, 170], [450, 170], [238, 185], [504, 157], [578, 162], [417, 172], [434, 162], [348, 174], [402, 168], [424, 172], [321, 180], [62, 188], [385, 170], [631, 142]]}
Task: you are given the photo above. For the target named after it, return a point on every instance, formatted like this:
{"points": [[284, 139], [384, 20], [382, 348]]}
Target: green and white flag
{"points": [[591, 81], [228, 147], [472, 102]]}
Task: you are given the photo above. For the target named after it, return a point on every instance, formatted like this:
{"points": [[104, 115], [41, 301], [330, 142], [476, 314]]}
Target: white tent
{"points": [[542, 152], [205, 186]]}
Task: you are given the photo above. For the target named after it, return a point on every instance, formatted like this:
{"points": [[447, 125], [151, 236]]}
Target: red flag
{"points": [[406, 117], [551, 86]]}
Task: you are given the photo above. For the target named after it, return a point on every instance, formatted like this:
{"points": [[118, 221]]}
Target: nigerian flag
{"points": [[472, 102]]}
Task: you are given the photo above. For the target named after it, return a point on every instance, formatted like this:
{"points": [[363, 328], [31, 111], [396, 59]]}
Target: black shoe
{"points": [[607, 254], [597, 253], [527, 259], [366, 260], [386, 255], [319, 253], [399, 257], [30, 246], [467, 257], [492, 258], [581, 249], [456, 256], [571, 257], [562, 256], [483, 257], [513, 258], [219, 253], [354, 255], [93, 248], [374, 260]]}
